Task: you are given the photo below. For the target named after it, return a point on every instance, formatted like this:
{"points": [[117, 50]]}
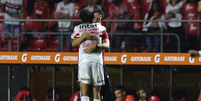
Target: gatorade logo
{"points": [[157, 58], [191, 60], [57, 58], [123, 58], [24, 57]]}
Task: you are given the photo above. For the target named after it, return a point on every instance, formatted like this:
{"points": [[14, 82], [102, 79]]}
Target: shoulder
{"points": [[130, 98], [71, 4], [59, 4], [155, 98]]}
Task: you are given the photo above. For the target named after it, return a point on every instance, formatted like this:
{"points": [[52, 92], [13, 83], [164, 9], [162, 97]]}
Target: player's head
{"points": [[98, 16], [144, 92], [119, 92], [86, 16], [65, 1]]}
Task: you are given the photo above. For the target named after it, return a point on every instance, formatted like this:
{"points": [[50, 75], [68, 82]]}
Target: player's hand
{"points": [[193, 53], [89, 36], [156, 33], [90, 48]]}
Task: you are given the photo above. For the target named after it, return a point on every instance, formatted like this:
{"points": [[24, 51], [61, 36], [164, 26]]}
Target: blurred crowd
{"points": [[125, 36]]}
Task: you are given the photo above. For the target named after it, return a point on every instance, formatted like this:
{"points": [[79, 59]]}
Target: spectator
{"points": [[65, 10], [173, 12], [144, 92], [92, 5], [41, 11], [153, 27], [120, 94], [13, 10], [123, 11]]}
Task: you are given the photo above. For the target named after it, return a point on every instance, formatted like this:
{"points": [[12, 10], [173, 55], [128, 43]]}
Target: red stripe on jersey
{"points": [[105, 35], [12, 4]]}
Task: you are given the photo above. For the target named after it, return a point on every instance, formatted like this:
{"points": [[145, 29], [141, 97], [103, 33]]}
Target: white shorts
{"points": [[91, 73]]}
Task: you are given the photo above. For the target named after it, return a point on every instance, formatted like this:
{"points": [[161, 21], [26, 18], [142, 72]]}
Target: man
{"points": [[90, 64], [65, 10], [13, 10], [41, 11], [92, 5], [106, 90], [122, 10], [144, 92], [120, 94]]}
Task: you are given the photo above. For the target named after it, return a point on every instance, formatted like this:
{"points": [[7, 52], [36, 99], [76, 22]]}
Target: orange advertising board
{"points": [[110, 58]]}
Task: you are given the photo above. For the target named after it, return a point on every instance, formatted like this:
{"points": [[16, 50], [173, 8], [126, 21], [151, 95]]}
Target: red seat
{"points": [[33, 25], [7, 41], [39, 43], [25, 4], [147, 4], [52, 24], [49, 97], [192, 28], [53, 44], [164, 4], [182, 99], [23, 95], [189, 7], [77, 12]]}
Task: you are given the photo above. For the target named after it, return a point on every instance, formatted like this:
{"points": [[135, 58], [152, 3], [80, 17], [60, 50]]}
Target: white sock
{"points": [[96, 100], [84, 98]]}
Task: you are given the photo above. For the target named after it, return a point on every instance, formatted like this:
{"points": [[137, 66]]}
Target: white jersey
{"points": [[12, 10], [65, 9], [95, 28], [176, 10]]}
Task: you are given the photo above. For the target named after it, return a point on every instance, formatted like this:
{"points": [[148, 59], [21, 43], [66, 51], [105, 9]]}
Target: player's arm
{"points": [[194, 53], [105, 44], [77, 41]]}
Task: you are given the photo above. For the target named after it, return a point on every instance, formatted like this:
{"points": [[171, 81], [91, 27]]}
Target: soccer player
{"points": [[90, 64], [120, 94]]}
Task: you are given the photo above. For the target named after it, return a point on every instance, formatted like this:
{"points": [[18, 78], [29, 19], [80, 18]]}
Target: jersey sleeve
{"points": [[72, 10], [105, 35], [75, 33], [167, 9], [155, 98], [130, 98], [57, 9], [3, 1]]}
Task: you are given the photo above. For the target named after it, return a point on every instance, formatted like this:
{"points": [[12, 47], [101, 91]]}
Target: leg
{"points": [[157, 43], [96, 93], [106, 90], [68, 43], [16, 30], [59, 43], [149, 43], [129, 43], [118, 42], [84, 91], [7, 28]]}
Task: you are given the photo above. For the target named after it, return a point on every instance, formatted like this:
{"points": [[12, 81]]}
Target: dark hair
{"points": [[100, 12], [145, 88], [117, 2], [121, 88], [151, 12], [176, 2], [86, 16]]}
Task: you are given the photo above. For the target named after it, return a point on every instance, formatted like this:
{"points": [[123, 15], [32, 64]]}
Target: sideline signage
{"points": [[110, 58]]}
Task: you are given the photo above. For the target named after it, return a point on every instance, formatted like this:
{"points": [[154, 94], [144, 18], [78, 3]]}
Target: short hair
{"points": [[121, 88], [100, 12], [145, 88], [86, 16]]}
